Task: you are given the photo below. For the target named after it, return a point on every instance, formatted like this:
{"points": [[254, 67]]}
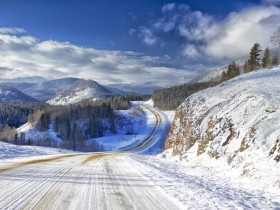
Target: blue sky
{"points": [[101, 24], [136, 37]]}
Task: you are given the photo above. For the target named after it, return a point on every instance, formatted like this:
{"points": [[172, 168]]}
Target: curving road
{"points": [[152, 138], [82, 181]]}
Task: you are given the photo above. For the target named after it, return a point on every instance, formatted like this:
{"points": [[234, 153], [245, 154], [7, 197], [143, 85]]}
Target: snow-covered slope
{"points": [[235, 124], [11, 151], [11, 94], [216, 74], [44, 91], [18, 85], [80, 90]]}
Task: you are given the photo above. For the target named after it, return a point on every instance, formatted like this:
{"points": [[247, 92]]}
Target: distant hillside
{"points": [[116, 90], [81, 90], [46, 90], [216, 74], [171, 98], [10, 94], [145, 89], [18, 85]]}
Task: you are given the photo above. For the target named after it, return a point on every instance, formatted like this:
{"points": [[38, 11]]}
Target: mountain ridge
{"points": [[80, 90], [44, 91], [10, 94]]}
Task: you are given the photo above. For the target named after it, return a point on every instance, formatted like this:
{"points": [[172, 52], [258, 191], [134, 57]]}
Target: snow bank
{"points": [[232, 126], [203, 188], [11, 151]]}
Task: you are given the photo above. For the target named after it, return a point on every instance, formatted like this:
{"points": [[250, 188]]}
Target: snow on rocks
{"points": [[232, 126]]}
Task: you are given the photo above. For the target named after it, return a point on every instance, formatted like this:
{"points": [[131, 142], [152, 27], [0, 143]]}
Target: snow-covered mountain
{"points": [[18, 85], [235, 124], [10, 94], [80, 90], [116, 91], [216, 74], [44, 91], [143, 89]]}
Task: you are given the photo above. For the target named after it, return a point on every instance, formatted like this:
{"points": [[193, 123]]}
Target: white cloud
{"points": [[208, 38], [168, 7], [194, 25], [132, 32], [234, 36], [166, 24], [191, 51], [271, 2], [147, 36], [28, 56], [12, 31]]}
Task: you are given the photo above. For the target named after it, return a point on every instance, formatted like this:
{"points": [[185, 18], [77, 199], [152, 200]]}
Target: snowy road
{"points": [[91, 181], [81, 181], [121, 181]]}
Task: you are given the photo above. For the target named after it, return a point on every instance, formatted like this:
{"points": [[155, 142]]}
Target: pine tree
{"points": [[246, 67], [224, 76], [275, 39], [233, 71], [254, 60], [266, 62], [274, 61]]}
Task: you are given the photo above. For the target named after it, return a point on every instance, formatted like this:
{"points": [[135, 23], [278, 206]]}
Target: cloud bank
{"points": [[200, 40], [24, 55], [271, 2], [207, 38]]}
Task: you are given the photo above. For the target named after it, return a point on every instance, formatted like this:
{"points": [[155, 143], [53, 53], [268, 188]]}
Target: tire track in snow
{"points": [[148, 141], [34, 161], [36, 181]]}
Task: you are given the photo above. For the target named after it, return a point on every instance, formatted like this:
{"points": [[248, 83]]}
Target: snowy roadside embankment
{"points": [[233, 128], [11, 151], [204, 188]]}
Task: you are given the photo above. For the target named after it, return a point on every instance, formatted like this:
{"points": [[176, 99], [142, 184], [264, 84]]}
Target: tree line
{"points": [[171, 98], [74, 123], [16, 114]]}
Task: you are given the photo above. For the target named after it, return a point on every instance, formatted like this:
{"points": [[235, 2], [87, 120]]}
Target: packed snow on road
{"points": [[46, 178]]}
